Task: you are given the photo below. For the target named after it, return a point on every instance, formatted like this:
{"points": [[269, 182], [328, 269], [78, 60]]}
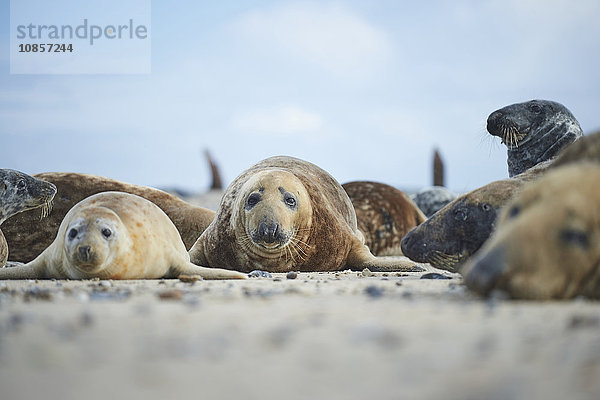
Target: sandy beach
{"points": [[347, 335]]}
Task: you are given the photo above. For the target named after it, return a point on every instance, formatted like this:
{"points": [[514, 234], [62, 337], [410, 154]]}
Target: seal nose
{"points": [[268, 231], [483, 276], [493, 122], [84, 253], [408, 244]]}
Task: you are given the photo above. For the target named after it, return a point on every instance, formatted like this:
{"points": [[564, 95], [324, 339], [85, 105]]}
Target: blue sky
{"points": [[365, 90]]}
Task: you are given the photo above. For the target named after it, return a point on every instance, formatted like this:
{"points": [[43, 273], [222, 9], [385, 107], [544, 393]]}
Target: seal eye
{"points": [[106, 232], [21, 184], [514, 211], [72, 233], [574, 237], [290, 200], [486, 207], [535, 108], [253, 200], [460, 215]]}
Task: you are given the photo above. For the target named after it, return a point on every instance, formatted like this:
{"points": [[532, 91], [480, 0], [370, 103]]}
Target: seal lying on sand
{"points": [[384, 215], [432, 199], [458, 230], [533, 131], [115, 235], [285, 214], [20, 192], [27, 237], [547, 245]]}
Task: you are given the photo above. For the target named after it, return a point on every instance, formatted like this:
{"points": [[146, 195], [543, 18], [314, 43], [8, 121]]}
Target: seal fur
{"points": [[533, 131], [286, 214], [115, 235], [547, 245], [384, 215], [28, 237]]}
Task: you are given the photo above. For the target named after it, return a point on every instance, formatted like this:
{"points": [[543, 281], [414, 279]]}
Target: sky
{"points": [[365, 90]]}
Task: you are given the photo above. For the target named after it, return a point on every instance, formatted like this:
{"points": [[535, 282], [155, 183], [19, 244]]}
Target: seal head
{"points": [[20, 192], [533, 131]]}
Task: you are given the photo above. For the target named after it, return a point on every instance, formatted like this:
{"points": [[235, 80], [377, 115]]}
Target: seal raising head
{"points": [[285, 214], [547, 245], [533, 132], [115, 235]]}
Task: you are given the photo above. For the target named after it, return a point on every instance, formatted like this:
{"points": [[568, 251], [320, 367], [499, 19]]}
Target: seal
{"points": [[20, 192], [585, 149], [547, 245], [458, 230], [533, 131], [27, 237], [432, 199], [115, 235], [384, 215], [285, 214]]}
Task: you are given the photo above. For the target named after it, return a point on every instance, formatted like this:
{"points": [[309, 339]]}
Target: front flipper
{"points": [[204, 272], [32, 270], [360, 258]]}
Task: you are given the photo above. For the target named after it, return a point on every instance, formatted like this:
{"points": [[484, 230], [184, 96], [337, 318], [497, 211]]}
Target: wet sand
{"points": [[343, 335]]}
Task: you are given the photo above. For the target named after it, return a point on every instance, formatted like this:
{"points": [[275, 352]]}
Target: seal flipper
{"points": [[206, 273], [33, 270], [360, 258]]}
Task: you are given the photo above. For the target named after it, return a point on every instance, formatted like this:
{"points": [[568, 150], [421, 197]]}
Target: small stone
{"points": [[174, 294], [374, 291], [257, 273], [366, 272], [292, 275], [434, 275]]}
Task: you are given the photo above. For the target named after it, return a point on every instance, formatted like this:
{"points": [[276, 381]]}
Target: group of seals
{"points": [[115, 235], [20, 192], [533, 131], [27, 237], [384, 215], [547, 245], [285, 214]]}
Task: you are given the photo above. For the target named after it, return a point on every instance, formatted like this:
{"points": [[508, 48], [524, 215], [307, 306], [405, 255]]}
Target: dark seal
{"points": [[384, 215], [432, 199], [20, 192], [533, 132]]}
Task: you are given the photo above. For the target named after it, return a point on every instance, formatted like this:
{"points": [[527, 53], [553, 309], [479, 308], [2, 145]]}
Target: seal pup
{"points": [[459, 229], [27, 236], [285, 214], [384, 215], [547, 245], [115, 235], [20, 192], [432, 199], [533, 131]]}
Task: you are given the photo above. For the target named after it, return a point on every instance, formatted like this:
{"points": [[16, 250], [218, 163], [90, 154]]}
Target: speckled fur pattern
{"points": [[585, 149], [324, 230], [533, 132], [547, 245], [20, 192], [115, 235], [458, 230], [384, 215], [27, 236], [432, 199]]}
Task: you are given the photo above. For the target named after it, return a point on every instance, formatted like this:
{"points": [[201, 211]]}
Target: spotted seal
{"points": [[115, 235], [432, 199], [286, 214], [533, 131], [384, 215]]}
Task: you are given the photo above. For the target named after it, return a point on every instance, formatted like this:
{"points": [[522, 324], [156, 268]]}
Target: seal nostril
{"points": [[84, 252]]}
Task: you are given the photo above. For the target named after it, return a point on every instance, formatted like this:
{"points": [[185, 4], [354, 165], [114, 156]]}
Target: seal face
{"points": [[458, 230], [547, 245], [432, 199], [384, 215], [28, 237], [533, 132], [114, 235], [285, 214]]}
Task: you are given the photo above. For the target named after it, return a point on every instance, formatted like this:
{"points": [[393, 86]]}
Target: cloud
{"points": [[278, 120], [329, 36]]}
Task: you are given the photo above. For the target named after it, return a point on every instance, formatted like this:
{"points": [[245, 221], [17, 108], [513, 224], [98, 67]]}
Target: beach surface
{"points": [[346, 335]]}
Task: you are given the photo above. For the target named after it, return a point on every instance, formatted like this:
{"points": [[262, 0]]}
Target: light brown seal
{"points": [[384, 215], [27, 237], [547, 245], [286, 214], [20, 192], [115, 235]]}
